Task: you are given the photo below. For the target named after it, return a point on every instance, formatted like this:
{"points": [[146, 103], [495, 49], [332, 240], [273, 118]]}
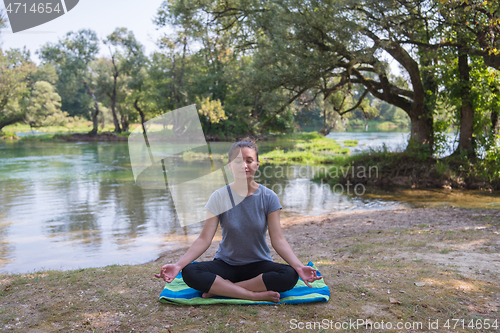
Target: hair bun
{"points": [[250, 139]]}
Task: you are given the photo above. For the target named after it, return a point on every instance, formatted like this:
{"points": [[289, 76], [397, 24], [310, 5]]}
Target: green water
{"points": [[76, 205]]}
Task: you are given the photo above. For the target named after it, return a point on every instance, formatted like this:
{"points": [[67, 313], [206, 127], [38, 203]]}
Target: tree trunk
{"points": [[141, 114], [113, 104], [422, 131], [124, 121], [495, 118], [96, 111], [423, 124], [326, 129], [465, 142]]}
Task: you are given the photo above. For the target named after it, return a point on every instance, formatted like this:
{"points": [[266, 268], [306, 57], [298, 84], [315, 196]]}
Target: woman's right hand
{"points": [[169, 272]]}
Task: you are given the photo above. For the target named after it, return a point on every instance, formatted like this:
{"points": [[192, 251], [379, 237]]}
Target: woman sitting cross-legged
{"points": [[242, 267]]}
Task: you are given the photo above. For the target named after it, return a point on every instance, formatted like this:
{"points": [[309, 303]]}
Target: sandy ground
{"points": [[372, 261], [335, 226]]}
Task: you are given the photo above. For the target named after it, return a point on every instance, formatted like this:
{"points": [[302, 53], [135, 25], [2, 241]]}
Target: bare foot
{"points": [[271, 296], [207, 295]]}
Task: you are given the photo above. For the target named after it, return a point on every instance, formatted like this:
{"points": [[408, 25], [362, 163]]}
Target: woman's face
{"points": [[244, 164]]}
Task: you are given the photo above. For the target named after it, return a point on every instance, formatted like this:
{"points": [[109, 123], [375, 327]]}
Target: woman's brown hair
{"points": [[244, 143]]}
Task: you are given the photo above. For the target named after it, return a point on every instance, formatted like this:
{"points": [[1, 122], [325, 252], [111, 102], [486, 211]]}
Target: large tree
{"points": [[72, 57], [125, 52], [213, 68], [456, 29], [15, 70], [326, 45]]}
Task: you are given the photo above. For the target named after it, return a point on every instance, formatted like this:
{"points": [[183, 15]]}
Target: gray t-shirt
{"points": [[244, 224]]}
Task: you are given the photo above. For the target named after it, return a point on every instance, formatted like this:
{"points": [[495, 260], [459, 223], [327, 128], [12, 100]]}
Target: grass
{"points": [[309, 148], [350, 143], [55, 132], [386, 125], [364, 270], [74, 127]]}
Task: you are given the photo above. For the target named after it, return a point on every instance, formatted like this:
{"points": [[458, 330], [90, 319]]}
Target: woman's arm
{"points": [[279, 243], [199, 246], [202, 243]]}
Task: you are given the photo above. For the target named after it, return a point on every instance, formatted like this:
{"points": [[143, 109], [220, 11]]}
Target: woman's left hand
{"points": [[308, 274]]}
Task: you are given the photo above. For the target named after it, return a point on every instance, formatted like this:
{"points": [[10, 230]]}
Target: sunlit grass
{"points": [[72, 127], [309, 147]]}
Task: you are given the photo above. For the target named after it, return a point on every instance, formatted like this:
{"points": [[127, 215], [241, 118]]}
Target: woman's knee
{"points": [[197, 278], [189, 273], [282, 280], [290, 278]]}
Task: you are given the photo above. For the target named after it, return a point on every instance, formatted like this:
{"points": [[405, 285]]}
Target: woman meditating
{"points": [[242, 267]]}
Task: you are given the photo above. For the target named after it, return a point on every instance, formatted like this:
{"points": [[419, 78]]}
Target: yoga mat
{"points": [[177, 292]]}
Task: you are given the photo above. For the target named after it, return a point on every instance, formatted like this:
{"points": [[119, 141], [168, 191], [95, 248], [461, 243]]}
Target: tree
{"points": [[45, 72], [122, 46], [15, 70], [44, 106], [219, 71], [71, 57], [322, 45], [458, 29]]}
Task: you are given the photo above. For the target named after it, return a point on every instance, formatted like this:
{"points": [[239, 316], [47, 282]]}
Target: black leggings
{"points": [[277, 277]]}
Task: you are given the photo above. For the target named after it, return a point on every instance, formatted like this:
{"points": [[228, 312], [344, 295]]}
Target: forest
{"points": [[258, 67]]}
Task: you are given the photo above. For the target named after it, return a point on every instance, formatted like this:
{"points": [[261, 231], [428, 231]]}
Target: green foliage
{"points": [[44, 106], [386, 125], [279, 156], [484, 97], [442, 168], [488, 167], [309, 147], [45, 72], [441, 145], [212, 110], [417, 151], [15, 69], [308, 136], [41, 137], [350, 143], [71, 57], [8, 135]]}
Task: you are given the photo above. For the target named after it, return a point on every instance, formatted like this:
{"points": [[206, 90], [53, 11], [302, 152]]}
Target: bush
{"points": [[8, 135]]}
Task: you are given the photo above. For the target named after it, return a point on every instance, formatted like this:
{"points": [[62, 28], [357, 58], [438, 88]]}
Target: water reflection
{"points": [[6, 249], [76, 205], [396, 140]]}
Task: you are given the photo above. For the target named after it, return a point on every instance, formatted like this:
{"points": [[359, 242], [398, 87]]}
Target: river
{"points": [[76, 205]]}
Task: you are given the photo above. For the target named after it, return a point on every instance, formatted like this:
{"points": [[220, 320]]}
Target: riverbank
{"points": [[71, 137], [405, 169], [73, 132], [371, 261], [416, 170]]}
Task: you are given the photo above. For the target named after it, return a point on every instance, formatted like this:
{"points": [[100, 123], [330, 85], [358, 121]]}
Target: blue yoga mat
{"points": [[177, 292]]}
